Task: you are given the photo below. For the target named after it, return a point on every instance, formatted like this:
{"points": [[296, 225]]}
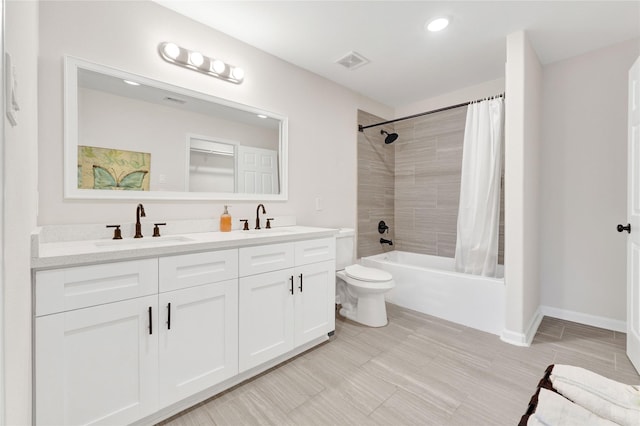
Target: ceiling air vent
{"points": [[352, 60]]}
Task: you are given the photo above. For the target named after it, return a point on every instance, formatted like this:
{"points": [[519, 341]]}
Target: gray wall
{"points": [[424, 167]]}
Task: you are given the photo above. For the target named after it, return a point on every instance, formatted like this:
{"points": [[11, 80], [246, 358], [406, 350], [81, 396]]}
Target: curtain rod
{"points": [[361, 127]]}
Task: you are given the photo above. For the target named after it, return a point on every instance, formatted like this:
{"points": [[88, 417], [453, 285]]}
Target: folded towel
{"points": [[620, 394], [555, 410], [533, 421], [596, 404]]}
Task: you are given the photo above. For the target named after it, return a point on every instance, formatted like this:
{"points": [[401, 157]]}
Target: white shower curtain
{"points": [[479, 210]]}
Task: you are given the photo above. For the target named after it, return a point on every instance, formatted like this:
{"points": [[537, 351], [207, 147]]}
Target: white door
{"points": [[257, 170], [633, 214], [265, 317], [314, 307], [97, 365]]}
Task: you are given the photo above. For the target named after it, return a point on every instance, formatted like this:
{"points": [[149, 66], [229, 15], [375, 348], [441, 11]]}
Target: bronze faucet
{"points": [[139, 212], [258, 214]]}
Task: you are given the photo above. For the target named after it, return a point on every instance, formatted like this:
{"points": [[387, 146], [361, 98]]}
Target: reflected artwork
{"points": [[113, 169]]}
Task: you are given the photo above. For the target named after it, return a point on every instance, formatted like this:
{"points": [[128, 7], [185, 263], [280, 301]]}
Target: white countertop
{"points": [[71, 253]]}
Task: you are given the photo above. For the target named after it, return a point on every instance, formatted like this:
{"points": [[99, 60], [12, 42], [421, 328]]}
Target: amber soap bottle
{"points": [[225, 221]]}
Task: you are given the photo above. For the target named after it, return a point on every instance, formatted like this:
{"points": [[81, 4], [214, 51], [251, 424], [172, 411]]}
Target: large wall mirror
{"points": [[131, 137]]}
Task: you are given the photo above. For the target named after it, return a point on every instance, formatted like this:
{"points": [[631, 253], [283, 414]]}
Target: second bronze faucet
{"points": [[139, 213]]}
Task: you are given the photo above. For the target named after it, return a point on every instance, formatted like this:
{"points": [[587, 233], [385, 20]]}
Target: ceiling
{"points": [[408, 64]]}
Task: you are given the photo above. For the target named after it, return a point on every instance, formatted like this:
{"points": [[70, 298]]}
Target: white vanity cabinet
{"points": [[198, 327], [96, 363], [135, 341], [286, 298]]}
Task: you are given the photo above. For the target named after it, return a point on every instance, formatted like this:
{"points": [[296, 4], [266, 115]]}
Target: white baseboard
{"points": [[523, 339], [587, 319]]}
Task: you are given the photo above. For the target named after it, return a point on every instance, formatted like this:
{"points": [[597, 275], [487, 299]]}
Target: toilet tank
{"points": [[345, 253]]}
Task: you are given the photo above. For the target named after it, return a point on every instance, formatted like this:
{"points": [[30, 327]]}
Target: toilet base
{"points": [[370, 310]]}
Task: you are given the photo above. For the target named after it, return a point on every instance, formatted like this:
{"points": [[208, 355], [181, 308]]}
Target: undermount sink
{"points": [[268, 231], [136, 242]]}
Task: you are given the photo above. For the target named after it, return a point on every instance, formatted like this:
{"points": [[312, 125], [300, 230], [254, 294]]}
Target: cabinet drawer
{"points": [[259, 259], [191, 270], [312, 251], [65, 289]]}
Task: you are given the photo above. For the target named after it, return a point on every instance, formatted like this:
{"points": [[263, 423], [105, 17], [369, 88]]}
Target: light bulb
{"points": [[171, 50], [237, 73], [218, 66], [196, 58]]}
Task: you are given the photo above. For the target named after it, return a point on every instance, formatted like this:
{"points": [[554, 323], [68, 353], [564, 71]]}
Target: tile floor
{"points": [[418, 370]]}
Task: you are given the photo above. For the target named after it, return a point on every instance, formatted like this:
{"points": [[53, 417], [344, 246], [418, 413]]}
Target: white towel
{"points": [[620, 394], [555, 410], [533, 421], [596, 404]]}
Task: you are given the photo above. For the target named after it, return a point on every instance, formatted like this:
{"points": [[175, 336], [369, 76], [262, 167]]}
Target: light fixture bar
{"points": [[196, 61]]}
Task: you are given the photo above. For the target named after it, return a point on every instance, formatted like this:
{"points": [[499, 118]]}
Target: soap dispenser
{"points": [[225, 221]]}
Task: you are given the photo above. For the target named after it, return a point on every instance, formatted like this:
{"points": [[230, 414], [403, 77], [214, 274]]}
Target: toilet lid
{"points": [[363, 273]]}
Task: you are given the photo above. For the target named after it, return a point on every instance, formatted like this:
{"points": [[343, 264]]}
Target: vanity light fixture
{"points": [[196, 61]]}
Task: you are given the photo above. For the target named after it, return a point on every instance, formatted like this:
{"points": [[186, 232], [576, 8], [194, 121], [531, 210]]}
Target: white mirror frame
{"points": [[71, 190]]}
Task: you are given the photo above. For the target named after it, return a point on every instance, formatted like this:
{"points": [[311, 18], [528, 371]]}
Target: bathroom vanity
{"points": [[134, 331]]}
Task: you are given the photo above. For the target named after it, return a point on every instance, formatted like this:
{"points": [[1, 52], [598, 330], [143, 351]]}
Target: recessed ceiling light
{"points": [[437, 24], [262, 116], [133, 83]]}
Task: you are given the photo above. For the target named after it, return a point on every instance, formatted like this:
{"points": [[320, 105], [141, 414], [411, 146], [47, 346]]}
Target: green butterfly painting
{"points": [[105, 179]]}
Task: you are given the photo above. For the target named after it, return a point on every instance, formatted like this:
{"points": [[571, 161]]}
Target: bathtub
{"points": [[430, 285]]}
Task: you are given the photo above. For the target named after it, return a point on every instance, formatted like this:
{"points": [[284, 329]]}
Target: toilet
{"points": [[360, 290]]}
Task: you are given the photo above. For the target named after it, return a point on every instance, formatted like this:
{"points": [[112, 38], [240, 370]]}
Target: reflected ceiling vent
{"points": [[352, 60], [174, 100]]}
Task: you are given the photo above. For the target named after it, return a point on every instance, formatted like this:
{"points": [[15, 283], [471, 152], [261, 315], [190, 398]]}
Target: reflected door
{"points": [[257, 171]]}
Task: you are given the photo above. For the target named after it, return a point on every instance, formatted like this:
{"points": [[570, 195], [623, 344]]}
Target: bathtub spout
{"points": [[383, 241]]}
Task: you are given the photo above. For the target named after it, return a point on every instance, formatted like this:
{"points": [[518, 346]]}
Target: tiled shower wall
{"points": [[376, 168], [426, 182]]}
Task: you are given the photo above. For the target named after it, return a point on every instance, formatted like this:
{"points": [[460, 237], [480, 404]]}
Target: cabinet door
{"points": [[97, 365], [266, 317], [198, 339], [314, 301]]}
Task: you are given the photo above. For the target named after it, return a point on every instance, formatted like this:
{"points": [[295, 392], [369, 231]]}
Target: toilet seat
{"points": [[384, 282], [362, 273]]}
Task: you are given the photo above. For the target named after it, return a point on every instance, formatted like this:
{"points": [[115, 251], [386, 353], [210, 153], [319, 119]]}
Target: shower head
{"points": [[391, 137]]}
